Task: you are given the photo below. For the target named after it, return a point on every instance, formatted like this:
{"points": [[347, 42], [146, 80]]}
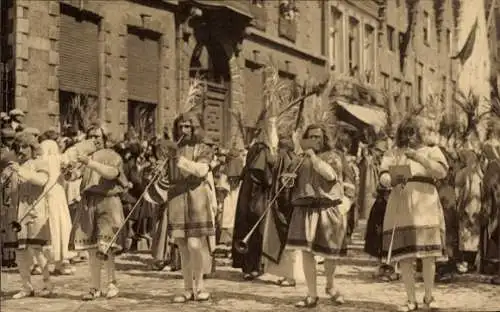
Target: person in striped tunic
{"points": [[189, 193]]}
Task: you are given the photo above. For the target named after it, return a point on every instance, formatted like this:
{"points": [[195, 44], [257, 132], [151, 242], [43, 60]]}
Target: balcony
{"points": [[236, 6], [287, 29], [259, 17]]}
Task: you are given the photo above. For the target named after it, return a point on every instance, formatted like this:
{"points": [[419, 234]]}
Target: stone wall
{"points": [[37, 55], [305, 57], [37, 59], [6, 55]]}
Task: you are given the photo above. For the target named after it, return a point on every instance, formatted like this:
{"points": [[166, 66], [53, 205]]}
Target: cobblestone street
{"points": [[144, 290]]}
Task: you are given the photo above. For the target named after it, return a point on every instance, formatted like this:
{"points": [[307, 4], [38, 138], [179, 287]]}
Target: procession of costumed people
{"points": [[287, 197]]}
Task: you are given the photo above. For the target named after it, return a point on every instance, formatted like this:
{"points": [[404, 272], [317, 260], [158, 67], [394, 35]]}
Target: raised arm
{"points": [[106, 171], [36, 177], [325, 169], [200, 166]]}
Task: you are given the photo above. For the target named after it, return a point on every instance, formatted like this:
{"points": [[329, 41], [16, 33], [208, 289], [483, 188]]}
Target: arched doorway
{"points": [[210, 63]]}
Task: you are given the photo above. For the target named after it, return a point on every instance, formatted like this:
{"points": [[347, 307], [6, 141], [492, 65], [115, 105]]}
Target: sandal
{"points": [[93, 294], [255, 274], [495, 280], [429, 304], [287, 283], [408, 307], [37, 270], [307, 302], [23, 294], [248, 277], [46, 292], [335, 296], [185, 297], [202, 296]]}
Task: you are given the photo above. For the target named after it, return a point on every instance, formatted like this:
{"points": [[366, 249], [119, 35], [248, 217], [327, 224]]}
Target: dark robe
{"points": [[281, 211], [349, 175], [447, 196], [257, 178], [490, 245], [375, 224]]}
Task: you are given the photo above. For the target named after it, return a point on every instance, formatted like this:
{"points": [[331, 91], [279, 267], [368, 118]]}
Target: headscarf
{"points": [[51, 156]]}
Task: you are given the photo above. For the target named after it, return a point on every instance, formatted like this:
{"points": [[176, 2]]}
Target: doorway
{"points": [[210, 63]]}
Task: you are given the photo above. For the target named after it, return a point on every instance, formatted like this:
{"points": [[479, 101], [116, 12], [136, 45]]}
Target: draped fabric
{"points": [[278, 220], [368, 182], [59, 217], [491, 211], [414, 211], [253, 198], [101, 214], [319, 229], [448, 199]]}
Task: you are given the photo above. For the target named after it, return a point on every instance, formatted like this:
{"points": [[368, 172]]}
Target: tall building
{"points": [[401, 48], [133, 60]]}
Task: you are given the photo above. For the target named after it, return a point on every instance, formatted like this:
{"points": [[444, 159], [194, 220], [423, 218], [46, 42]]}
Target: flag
{"points": [[468, 47], [157, 193]]}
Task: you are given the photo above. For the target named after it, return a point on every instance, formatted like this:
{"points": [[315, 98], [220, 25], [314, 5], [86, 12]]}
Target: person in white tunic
{"points": [[59, 217], [414, 221]]}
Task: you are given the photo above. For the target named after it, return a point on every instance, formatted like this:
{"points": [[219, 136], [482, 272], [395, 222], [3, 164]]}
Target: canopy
{"points": [[240, 7], [370, 116]]}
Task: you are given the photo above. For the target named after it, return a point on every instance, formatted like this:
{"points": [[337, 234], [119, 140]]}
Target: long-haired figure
{"points": [[190, 204], [414, 221], [189, 193], [317, 225]]}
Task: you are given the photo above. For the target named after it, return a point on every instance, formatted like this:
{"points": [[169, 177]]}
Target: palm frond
{"points": [[194, 96], [83, 110], [239, 121]]}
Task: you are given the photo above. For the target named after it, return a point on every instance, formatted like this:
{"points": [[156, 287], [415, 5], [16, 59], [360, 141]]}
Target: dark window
{"points": [[6, 64], [254, 80], [426, 28], [385, 81], [78, 51], [420, 90], [287, 22], [142, 116], [143, 80], [77, 111], [143, 65], [390, 38], [258, 3]]}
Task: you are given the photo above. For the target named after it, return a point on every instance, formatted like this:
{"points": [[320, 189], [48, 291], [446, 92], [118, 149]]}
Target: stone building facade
{"points": [[401, 48], [134, 59], [418, 40]]}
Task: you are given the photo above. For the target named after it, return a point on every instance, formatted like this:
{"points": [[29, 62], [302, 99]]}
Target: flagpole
{"points": [[490, 16]]}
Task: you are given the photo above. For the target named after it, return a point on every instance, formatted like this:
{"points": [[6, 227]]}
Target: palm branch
{"points": [[194, 96], [469, 103]]}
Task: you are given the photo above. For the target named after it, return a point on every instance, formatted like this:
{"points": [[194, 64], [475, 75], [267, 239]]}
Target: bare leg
{"points": [[111, 275], [24, 260], [43, 260], [310, 274], [95, 265], [309, 267], [330, 290], [187, 271], [428, 272], [194, 246], [408, 275]]}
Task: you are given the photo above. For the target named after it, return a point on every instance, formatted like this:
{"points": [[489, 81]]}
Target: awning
{"points": [[371, 116], [238, 6]]}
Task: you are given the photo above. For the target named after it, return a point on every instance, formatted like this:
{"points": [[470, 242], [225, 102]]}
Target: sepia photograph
{"points": [[249, 155]]}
